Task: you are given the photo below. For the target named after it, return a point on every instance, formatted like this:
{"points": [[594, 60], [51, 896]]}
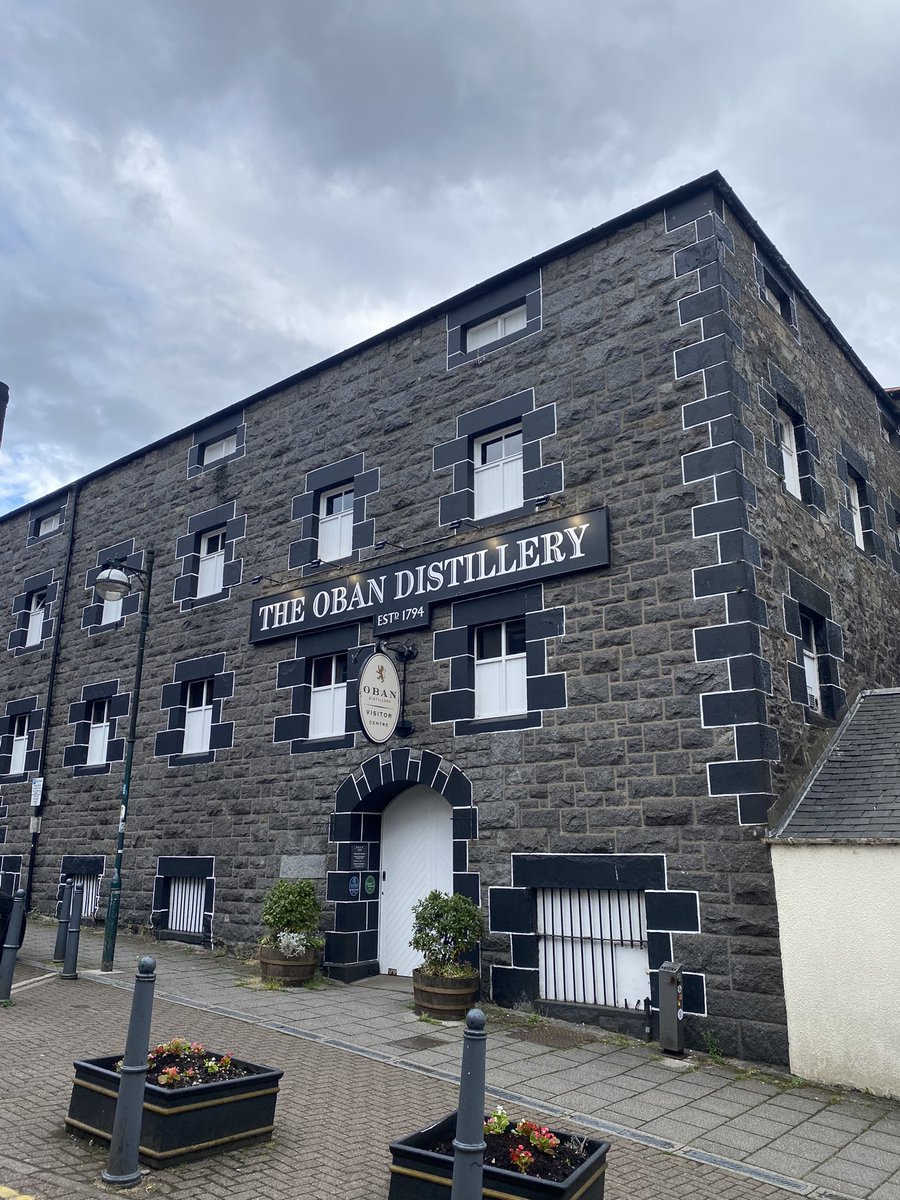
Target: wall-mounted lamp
{"points": [[546, 502], [269, 579], [381, 545]]}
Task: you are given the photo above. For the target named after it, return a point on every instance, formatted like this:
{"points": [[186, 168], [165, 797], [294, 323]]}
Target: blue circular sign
{"points": [[353, 886]]}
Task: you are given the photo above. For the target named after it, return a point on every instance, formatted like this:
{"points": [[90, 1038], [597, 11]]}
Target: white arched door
{"points": [[416, 858]]}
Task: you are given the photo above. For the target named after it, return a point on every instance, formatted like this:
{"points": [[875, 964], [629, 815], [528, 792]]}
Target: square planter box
{"points": [[178, 1123], [418, 1173]]}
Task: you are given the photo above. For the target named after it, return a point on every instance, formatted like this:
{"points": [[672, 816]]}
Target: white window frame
{"points": [[48, 525], [198, 716], [336, 529], [787, 436], [485, 333], [19, 744], [98, 734], [211, 568], [811, 662], [328, 702], [37, 609], [853, 482], [214, 452], [501, 682], [499, 483]]}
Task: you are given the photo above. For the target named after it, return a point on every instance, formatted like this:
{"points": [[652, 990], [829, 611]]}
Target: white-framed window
{"points": [[98, 735], [853, 494], [48, 524], [336, 524], [198, 716], [787, 438], [328, 697], [500, 675], [776, 295], [221, 448], [212, 562], [19, 744], [497, 327], [811, 662], [498, 472], [37, 604]]}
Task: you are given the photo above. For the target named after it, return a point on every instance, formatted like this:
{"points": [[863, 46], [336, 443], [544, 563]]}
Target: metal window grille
{"points": [[592, 946], [186, 898], [90, 896]]}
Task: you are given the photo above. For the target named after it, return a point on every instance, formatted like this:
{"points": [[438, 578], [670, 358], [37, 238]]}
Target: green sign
{"points": [[369, 885]]}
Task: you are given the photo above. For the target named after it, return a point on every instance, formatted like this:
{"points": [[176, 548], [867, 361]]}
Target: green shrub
{"points": [[445, 927], [291, 906]]}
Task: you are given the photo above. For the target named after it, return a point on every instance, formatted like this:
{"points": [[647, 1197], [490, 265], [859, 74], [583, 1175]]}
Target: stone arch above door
{"points": [[355, 827]]}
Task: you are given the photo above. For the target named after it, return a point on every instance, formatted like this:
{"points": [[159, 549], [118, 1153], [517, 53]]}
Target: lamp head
{"points": [[112, 583]]}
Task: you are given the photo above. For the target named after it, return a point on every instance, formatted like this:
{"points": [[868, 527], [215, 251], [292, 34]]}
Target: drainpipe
{"points": [[54, 659], [4, 400]]}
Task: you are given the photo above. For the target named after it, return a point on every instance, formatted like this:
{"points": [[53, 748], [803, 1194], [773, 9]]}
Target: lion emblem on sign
{"points": [[379, 671]]}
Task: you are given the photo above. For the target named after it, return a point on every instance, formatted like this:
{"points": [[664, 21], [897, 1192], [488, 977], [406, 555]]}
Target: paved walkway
{"points": [[361, 1069]]}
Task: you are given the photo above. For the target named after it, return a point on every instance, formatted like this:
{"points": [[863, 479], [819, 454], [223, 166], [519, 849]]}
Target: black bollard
{"points": [[122, 1169], [469, 1143], [11, 944], [62, 929], [70, 964]]}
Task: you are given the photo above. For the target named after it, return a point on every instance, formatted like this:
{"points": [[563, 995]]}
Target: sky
{"points": [[199, 198]]}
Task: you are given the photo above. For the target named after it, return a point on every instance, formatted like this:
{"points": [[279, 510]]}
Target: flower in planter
{"points": [[292, 945], [521, 1158], [538, 1137], [179, 1063], [498, 1121]]}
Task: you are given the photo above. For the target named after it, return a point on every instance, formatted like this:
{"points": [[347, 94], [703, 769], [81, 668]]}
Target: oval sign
{"points": [[379, 698]]}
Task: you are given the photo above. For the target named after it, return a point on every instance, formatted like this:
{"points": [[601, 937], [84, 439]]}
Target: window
{"points": [[336, 524], [497, 327], [214, 451], [808, 623], [19, 744], [856, 489], [500, 677], [498, 472], [48, 524], [890, 425], [776, 295], [98, 737], [36, 610], [198, 716], [328, 700], [212, 563], [787, 440]]}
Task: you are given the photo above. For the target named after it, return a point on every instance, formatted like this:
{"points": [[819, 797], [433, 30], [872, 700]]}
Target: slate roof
{"points": [[854, 792]]}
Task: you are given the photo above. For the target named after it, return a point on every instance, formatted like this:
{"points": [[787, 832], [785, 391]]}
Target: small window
{"points": [[336, 524], [214, 451], [787, 438], [498, 472], [48, 524], [776, 295], [890, 426], [810, 639], [212, 563], [500, 676], [497, 327], [855, 490], [198, 716], [37, 606], [328, 699], [98, 736], [19, 744]]}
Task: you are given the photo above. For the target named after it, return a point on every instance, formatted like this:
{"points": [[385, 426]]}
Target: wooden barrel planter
{"points": [[290, 972], [444, 997]]}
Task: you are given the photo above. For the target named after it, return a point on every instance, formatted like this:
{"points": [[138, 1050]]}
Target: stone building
{"points": [[626, 517]]}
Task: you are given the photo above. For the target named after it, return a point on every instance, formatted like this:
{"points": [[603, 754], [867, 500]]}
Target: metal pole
{"points": [[111, 928], [11, 945], [122, 1169], [62, 929], [469, 1143], [70, 963]]}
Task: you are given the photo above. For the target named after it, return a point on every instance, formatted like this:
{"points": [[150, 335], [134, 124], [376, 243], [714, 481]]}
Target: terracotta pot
{"points": [[444, 997], [290, 971]]}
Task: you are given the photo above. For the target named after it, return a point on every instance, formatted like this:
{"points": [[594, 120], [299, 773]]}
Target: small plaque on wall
{"points": [[359, 856]]}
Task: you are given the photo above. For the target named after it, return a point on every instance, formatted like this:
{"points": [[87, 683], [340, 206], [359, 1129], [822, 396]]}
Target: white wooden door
{"points": [[416, 858]]}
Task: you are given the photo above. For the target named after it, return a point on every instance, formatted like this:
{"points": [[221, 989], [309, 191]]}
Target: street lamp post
{"points": [[112, 583]]}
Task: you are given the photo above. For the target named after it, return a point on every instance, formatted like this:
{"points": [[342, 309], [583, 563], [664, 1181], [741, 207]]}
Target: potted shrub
{"points": [[290, 951], [195, 1101], [445, 927], [523, 1160]]}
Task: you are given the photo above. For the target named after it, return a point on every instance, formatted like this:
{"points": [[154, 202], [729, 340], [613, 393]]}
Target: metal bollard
{"points": [[469, 1143], [122, 1169], [11, 945], [62, 929], [70, 964]]}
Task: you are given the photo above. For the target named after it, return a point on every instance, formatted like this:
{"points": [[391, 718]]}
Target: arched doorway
{"points": [[416, 858]]}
